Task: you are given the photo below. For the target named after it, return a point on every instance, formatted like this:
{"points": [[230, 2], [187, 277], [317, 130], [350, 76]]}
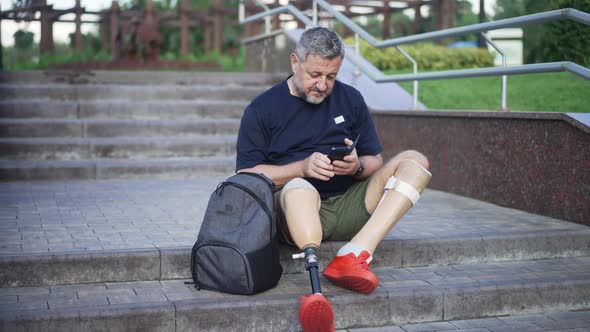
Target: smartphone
{"points": [[339, 152]]}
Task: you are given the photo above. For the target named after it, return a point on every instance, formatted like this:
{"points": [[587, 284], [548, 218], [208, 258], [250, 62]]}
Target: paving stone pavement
{"points": [[557, 321], [73, 216]]}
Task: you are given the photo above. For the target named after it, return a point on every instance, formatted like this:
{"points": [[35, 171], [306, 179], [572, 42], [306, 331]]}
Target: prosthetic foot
{"points": [[315, 312]]}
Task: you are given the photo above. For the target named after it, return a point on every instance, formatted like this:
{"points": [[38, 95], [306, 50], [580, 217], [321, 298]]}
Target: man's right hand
{"points": [[317, 166]]}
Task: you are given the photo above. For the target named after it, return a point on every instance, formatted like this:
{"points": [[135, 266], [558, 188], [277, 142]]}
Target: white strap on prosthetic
{"points": [[403, 188]]}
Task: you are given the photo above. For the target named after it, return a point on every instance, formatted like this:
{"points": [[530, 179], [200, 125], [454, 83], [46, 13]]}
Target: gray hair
{"points": [[319, 41]]}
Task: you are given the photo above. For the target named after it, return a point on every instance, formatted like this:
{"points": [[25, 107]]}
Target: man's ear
{"points": [[294, 62]]}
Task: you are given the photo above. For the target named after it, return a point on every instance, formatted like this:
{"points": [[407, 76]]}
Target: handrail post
{"points": [[241, 11], [267, 24], [504, 106], [415, 88]]}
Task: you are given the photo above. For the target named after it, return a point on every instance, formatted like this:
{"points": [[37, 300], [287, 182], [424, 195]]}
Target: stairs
{"points": [[57, 127], [106, 244]]}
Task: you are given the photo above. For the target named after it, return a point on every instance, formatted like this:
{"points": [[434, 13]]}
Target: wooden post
{"points": [[276, 22], [207, 37], [1, 47], [481, 42], [104, 32], [46, 29], [114, 27], [149, 11], [218, 27], [346, 32], [445, 14], [299, 6], [182, 12], [248, 32], [386, 20], [417, 19], [78, 33]]}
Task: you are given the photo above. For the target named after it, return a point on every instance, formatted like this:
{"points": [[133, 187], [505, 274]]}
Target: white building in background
{"points": [[510, 43]]}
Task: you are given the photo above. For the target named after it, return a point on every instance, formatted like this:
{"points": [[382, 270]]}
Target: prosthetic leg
{"points": [[401, 192], [350, 270], [315, 312], [311, 265], [301, 211]]}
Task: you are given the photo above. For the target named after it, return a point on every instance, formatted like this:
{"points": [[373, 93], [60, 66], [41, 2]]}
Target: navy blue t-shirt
{"points": [[278, 128]]}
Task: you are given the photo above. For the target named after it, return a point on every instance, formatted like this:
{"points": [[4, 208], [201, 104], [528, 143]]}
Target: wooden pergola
{"points": [[444, 11], [113, 20]]}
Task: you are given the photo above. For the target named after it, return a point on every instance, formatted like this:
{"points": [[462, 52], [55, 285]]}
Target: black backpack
{"points": [[237, 248]]}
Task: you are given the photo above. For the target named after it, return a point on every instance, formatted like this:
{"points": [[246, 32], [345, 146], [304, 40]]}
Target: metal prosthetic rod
{"points": [[311, 265]]}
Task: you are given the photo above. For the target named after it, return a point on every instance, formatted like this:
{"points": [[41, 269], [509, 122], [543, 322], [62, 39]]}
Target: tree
{"points": [[23, 40], [555, 41], [566, 39]]}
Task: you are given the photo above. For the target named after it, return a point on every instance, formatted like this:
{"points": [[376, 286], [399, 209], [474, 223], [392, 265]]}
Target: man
{"points": [[287, 132]]}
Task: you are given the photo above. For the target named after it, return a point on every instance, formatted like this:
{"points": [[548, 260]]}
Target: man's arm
{"points": [[316, 166], [372, 164]]}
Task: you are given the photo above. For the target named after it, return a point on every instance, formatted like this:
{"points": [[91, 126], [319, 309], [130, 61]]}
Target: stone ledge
{"points": [[174, 262], [144, 316], [79, 267], [276, 310]]}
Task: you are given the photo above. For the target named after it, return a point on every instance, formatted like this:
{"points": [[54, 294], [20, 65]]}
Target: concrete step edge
{"points": [[137, 77], [138, 148], [128, 87], [163, 102], [166, 263], [124, 109], [100, 121], [97, 169], [90, 128], [120, 140], [162, 305]]}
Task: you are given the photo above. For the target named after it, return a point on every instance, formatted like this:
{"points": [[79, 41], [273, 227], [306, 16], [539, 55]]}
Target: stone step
{"points": [[159, 77], [97, 92], [21, 128], [144, 230], [51, 148], [564, 321], [404, 296], [101, 169], [121, 109], [168, 261]]}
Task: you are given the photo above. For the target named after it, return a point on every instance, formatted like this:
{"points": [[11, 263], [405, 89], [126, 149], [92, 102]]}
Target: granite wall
{"points": [[528, 161]]}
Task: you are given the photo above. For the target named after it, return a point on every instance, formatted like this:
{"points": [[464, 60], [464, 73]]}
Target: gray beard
{"points": [[303, 95]]}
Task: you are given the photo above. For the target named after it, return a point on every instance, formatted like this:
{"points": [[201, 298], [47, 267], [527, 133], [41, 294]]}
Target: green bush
{"points": [[428, 56]]}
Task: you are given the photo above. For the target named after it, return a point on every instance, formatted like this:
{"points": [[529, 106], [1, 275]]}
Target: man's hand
{"points": [[318, 166], [349, 165]]}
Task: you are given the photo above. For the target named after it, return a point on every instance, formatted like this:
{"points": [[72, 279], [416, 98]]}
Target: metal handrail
{"points": [[504, 78], [564, 66]]}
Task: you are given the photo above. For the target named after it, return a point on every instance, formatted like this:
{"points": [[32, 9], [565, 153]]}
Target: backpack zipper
{"points": [[256, 198]]}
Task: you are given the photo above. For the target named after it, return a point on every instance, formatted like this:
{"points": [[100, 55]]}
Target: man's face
{"points": [[314, 78]]}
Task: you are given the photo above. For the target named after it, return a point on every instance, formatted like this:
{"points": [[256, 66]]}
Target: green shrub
{"points": [[427, 55]]}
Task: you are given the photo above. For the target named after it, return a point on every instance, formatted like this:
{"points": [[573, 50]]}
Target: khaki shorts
{"points": [[341, 216]]}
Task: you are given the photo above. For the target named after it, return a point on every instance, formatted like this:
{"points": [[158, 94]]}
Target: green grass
{"points": [[550, 92]]}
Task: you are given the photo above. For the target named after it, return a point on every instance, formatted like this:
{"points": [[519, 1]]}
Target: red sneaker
{"points": [[352, 272], [315, 314]]}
